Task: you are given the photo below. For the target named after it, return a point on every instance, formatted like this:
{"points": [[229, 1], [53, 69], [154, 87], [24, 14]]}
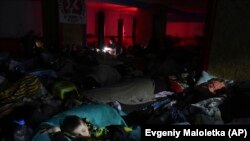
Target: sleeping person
{"points": [[213, 88], [235, 97], [236, 105], [86, 122]]}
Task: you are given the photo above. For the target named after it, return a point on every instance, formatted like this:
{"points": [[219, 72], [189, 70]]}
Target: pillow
{"points": [[204, 78]]}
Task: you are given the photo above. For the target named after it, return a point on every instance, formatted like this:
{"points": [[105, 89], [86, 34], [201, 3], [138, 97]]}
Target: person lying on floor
{"points": [[236, 97], [86, 122], [75, 128], [213, 88], [237, 102]]}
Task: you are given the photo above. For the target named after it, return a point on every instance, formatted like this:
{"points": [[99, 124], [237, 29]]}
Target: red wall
{"points": [[185, 31], [112, 14]]}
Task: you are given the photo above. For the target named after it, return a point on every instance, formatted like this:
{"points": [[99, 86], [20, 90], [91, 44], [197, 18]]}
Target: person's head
{"points": [[39, 42], [215, 84], [75, 126]]}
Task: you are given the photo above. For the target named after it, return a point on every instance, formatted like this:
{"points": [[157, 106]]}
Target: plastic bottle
{"points": [[22, 132]]}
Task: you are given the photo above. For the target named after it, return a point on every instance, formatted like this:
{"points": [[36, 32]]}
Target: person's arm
{"points": [[57, 134], [50, 129]]}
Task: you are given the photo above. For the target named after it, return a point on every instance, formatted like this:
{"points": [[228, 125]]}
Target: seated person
{"points": [[42, 53], [39, 46]]}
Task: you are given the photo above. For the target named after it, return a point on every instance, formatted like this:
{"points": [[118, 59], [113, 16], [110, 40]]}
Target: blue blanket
{"points": [[100, 115]]}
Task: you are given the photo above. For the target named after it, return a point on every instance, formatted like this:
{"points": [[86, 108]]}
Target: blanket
{"points": [[100, 115], [28, 86]]}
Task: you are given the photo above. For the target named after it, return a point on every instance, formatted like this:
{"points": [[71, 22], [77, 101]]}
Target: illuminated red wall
{"points": [[185, 31], [112, 13]]}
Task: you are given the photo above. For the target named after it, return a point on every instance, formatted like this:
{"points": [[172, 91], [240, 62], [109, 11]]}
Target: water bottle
{"points": [[22, 132]]}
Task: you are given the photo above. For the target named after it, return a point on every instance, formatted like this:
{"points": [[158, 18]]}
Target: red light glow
{"points": [[121, 8]]}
